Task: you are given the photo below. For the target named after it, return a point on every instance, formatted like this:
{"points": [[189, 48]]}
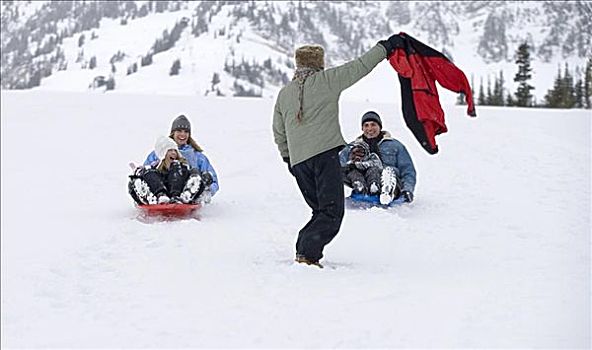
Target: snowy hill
{"points": [[246, 48], [494, 252]]}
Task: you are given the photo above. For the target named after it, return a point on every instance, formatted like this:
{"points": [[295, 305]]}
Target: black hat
{"points": [[371, 117], [181, 123]]}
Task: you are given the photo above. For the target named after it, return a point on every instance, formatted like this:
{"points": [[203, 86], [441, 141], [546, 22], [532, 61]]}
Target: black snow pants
{"points": [[320, 181], [171, 182], [366, 178]]}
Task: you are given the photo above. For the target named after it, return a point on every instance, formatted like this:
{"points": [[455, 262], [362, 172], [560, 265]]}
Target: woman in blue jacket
{"points": [[398, 176], [193, 153]]}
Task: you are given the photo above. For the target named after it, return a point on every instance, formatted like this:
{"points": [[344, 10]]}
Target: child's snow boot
{"points": [[389, 184], [163, 198]]}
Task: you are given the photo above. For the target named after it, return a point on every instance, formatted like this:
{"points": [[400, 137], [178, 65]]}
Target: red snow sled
{"points": [[170, 210]]}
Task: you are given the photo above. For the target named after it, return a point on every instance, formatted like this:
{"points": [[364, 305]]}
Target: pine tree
{"points": [[175, 67], [510, 100], [588, 84], [92, 63], [554, 95], [489, 97], [481, 98], [497, 97], [569, 96], [579, 94], [523, 95]]}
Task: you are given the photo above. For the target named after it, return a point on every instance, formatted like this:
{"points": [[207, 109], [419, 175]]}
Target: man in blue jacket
{"points": [[398, 176]]}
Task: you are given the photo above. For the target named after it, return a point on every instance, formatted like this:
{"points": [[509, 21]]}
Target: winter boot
{"points": [[207, 178], [192, 188], [163, 198], [301, 259], [358, 187], [389, 185], [140, 191], [374, 189]]}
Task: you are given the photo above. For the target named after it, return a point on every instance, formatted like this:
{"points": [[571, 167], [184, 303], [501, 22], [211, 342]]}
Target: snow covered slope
{"points": [[494, 252], [480, 36]]}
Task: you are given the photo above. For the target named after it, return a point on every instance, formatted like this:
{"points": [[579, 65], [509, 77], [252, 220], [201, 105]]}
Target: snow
{"points": [[205, 55], [494, 252]]}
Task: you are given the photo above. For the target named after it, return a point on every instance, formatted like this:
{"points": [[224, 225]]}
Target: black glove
{"points": [[408, 196], [287, 160], [391, 44], [207, 178]]}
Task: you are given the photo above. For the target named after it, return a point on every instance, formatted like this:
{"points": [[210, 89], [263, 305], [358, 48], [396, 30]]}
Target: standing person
{"points": [[308, 135], [398, 176], [190, 150]]}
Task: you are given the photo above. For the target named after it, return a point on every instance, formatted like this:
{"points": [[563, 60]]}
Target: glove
{"points": [[361, 165], [207, 178], [350, 165], [391, 44], [140, 171], [408, 196], [356, 154], [287, 160]]}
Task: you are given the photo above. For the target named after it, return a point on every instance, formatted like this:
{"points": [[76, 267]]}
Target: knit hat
{"points": [[363, 146], [163, 145], [181, 123], [310, 56], [371, 116]]}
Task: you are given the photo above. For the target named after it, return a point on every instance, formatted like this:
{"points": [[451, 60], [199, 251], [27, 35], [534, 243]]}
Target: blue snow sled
{"points": [[372, 200]]}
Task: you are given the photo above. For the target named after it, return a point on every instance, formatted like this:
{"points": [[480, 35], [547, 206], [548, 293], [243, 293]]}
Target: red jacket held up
{"points": [[419, 67]]}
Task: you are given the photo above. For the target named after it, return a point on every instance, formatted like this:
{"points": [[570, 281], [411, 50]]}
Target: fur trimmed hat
{"points": [[181, 123], [163, 145], [371, 116], [310, 56]]}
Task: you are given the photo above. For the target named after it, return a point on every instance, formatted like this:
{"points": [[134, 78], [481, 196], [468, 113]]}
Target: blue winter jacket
{"points": [[393, 154], [196, 160]]}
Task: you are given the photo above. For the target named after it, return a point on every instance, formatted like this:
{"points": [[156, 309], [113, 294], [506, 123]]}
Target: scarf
{"points": [[300, 76]]}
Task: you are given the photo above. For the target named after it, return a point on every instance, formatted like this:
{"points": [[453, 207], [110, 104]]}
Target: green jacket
{"points": [[319, 129]]}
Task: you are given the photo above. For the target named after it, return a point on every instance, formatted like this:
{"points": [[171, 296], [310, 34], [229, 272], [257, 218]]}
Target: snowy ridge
{"points": [[494, 252], [481, 38]]}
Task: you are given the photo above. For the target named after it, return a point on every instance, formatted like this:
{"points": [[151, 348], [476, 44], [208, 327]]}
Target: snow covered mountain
{"points": [[245, 48]]}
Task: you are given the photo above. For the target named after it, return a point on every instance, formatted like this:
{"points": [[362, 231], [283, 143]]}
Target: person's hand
{"points": [[361, 165], [287, 160], [356, 154], [392, 43], [408, 196], [207, 178]]}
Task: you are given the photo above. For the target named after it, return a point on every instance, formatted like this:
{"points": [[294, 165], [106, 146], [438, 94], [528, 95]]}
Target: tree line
{"points": [[570, 89]]}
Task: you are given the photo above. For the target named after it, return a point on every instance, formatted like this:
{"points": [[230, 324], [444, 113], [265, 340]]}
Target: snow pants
{"points": [[320, 182], [171, 183], [366, 178]]}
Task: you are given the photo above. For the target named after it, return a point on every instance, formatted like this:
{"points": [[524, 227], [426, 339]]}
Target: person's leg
{"points": [[357, 180], [319, 179], [304, 174], [372, 176], [155, 182], [176, 179]]}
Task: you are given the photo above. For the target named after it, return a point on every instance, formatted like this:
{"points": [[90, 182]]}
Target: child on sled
{"points": [[169, 179]]}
